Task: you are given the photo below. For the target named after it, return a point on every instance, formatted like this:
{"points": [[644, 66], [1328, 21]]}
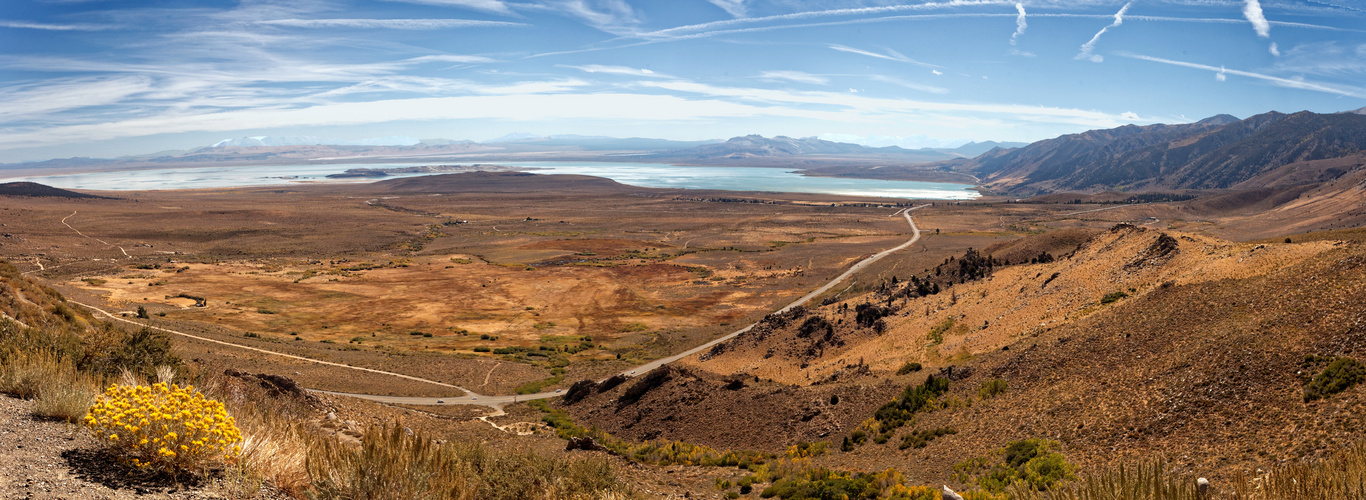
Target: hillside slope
{"points": [[1202, 360]]}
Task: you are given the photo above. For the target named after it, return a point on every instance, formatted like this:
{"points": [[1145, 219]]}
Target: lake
{"points": [[634, 174]]}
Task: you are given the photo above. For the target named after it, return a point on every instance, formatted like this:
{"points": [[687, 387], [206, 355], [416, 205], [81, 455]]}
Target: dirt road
{"points": [[497, 402]]}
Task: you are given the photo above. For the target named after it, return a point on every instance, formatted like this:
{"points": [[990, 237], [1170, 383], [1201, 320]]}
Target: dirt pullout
{"points": [[735, 412]]}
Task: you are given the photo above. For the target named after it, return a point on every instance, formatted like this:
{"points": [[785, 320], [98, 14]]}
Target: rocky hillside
{"points": [[1216, 153], [33, 305], [33, 189], [1135, 344]]}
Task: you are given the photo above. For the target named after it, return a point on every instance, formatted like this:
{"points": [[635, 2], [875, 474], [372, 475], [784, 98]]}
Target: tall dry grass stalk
{"points": [[393, 463], [1341, 477], [388, 465], [1147, 481], [274, 443], [274, 449], [58, 389]]}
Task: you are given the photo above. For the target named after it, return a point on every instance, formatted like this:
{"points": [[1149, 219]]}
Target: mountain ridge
{"points": [[1219, 152]]}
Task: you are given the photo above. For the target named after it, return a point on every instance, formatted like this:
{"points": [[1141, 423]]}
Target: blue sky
{"points": [[107, 78]]}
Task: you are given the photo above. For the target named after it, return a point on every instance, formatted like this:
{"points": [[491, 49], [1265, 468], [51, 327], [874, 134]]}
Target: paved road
{"points": [[497, 402]]}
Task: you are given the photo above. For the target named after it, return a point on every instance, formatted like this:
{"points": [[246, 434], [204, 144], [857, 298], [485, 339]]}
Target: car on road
{"points": [[558, 390], [474, 398], [441, 401]]}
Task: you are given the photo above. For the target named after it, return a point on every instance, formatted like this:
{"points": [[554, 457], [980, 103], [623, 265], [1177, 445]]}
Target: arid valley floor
{"points": [[1126, 332]]}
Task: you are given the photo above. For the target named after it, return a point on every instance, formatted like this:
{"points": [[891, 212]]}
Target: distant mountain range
{"points": [[257, 141], [592, 142], [1215, 153], [752, 147], [1218, 153]]}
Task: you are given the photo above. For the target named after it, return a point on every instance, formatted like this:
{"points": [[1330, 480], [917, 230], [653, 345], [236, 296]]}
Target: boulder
{"points": [[950, 495]]}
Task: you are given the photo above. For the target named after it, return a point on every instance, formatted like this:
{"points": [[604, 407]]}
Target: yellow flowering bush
{"points": [[162, 426]]}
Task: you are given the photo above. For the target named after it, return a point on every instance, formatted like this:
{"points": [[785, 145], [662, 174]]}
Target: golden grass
{"points": [[1341, 477], [395, 463], [58, 389]]}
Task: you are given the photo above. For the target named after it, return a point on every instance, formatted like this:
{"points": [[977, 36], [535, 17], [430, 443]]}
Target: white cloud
{"points": [[612, 16], [616, 70], [1221, 76], [449, 58], [891, 109], [735, 8], [400, 24], [1088, 47], [38, 100], [1325, 58], [936, 72], [1275, 51], [711, 26], [891, 55], [1252, 10], [1129, 115], [795, 76], [568, 101], [1294, 83], [1020, 24], [910, 85], [54, 27], [515, 107], [494, 6]]}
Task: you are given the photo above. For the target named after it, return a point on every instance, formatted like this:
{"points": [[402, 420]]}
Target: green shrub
{"points": [[991, 388], [139, 352], [1031, 462], [937, 332], [1112, 297], [913, 399], [482, 349], [858, 437], [660, 453], [823, 484], [1341, 374], [922, 439], [909, 367]]}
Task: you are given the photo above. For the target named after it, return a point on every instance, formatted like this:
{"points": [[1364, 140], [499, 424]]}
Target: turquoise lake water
{"points": [[634, 174]]}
